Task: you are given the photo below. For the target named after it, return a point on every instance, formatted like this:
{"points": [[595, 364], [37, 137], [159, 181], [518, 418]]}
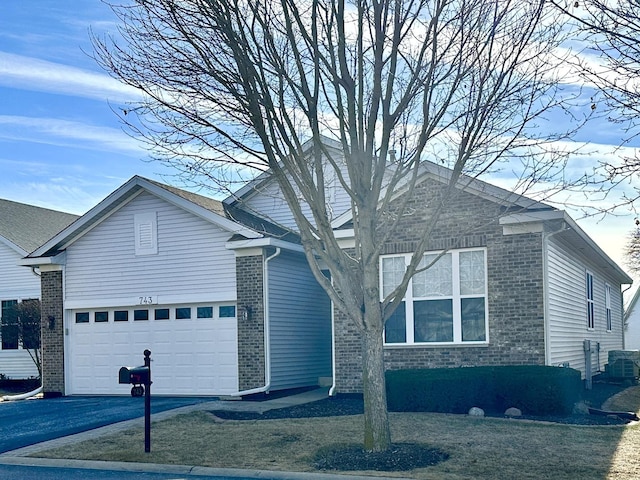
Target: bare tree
{"points": [[610, 62], [234, 85], [22, 323], [632, 250]]}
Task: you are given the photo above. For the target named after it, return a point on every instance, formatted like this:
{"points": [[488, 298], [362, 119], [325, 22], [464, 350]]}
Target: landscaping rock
{"points": [[476, 412], [581, 408], [513, 412]]}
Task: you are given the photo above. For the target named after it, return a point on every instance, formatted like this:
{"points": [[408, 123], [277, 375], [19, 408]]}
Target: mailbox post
{"points": [[140, 378], [147, 403]]}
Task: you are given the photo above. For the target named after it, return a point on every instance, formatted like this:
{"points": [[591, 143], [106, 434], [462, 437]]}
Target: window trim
{"points": [[590, 300], [607, 307], [456, 298]]}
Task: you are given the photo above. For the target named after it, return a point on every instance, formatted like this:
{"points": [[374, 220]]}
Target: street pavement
{"points": [[29, 426]]}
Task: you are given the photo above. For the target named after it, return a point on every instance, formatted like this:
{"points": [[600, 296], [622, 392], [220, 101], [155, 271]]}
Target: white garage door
{"points": [[193, 349]]}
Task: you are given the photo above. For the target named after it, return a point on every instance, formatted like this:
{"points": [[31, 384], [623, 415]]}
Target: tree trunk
{"points": [[377, 437]]}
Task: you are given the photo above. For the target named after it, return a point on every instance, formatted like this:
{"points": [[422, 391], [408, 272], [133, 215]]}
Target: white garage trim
{"points": [[193, 348]]}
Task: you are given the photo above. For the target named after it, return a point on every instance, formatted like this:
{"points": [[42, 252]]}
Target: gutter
{"points": [[267, 331]]}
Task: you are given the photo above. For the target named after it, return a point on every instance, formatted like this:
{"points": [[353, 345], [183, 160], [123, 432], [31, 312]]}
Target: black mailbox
{"points": [[134, 375], [140, 378]]}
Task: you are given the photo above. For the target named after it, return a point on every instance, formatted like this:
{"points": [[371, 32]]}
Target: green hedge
{"points": [[534, 389]]}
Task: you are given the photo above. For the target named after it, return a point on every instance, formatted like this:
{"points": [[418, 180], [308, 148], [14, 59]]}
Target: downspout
{"points": [[624, 321], [332, 390], [267, 342]]}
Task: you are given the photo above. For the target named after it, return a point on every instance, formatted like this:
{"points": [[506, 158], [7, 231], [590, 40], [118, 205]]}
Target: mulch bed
{"points": [[400, 457], [403, 456], [353, 405]]}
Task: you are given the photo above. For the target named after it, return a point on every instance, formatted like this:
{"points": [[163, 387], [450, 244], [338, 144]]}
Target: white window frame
{"points": [[456, 298], [590, 300], [607, 307]]}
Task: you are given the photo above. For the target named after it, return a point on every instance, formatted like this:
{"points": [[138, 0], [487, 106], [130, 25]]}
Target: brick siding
{"points": [[52, 338], [249, 278], [515, 290]]}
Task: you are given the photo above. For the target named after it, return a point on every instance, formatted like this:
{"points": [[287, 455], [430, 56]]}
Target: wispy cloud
{"points": [[28, 73], [65, 197], [54, 131]]}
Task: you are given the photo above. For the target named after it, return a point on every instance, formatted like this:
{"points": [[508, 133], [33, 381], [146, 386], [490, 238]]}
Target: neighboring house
{"points": [[22, 229], [223, 297], [632, 323]]}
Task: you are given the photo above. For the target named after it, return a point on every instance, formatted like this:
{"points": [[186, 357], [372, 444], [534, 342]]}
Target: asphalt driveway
{"points": [[27, 422]]}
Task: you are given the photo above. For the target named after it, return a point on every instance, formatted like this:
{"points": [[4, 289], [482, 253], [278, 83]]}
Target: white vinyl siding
{"points": [[567, 317], [299, 322], [269, 203], [17, 364], [16, 283], [191, 263]]}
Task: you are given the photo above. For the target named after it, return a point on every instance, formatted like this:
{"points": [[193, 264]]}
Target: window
{"points": [[140, 315], [30, 336], [161, 314], [121, 316], [607, 305], [227, 311], [9, 325], [183, 313], [205, 312], [591, 322], [146, 233], [445, 303], [101, 317], [82, 317]]}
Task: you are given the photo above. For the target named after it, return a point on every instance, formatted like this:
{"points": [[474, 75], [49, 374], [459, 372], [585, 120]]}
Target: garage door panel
{"points": [[189, 356]]}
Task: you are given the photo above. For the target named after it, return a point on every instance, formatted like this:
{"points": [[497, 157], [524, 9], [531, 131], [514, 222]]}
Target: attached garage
{"points": [[153, 267], [193, 348]]}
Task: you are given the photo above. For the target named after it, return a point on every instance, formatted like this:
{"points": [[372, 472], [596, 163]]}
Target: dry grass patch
{"points": [[478, 447], [626, 401]]}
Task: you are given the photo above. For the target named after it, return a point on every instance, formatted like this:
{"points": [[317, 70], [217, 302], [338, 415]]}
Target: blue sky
{"points": [[61, 144]]}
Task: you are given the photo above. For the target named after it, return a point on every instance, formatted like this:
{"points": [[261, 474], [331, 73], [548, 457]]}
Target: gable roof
{"points": [[204, 207], [25, 227], [519, 209], [253, 187]]}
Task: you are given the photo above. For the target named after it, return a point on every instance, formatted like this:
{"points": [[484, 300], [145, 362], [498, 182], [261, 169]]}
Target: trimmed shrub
{"points": [[534, 389]]}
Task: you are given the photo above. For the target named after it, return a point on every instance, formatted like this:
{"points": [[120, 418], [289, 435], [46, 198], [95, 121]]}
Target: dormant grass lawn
{"points": [[479, 448]]}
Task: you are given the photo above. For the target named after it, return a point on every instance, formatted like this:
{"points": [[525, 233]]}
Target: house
{"points": [[222, 295], [22, 229], [519, 282], [632, 324], [158, 268]]}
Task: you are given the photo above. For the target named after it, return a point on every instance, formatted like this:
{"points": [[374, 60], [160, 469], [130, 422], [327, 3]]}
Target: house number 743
{"points": [[147, 300]]}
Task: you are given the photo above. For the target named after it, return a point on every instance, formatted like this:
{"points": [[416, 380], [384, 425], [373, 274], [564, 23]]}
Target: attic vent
{"points": [[146, 233]]}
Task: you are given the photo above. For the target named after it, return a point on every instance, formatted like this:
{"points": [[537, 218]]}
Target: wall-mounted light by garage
{"points": [[244, 313]]}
